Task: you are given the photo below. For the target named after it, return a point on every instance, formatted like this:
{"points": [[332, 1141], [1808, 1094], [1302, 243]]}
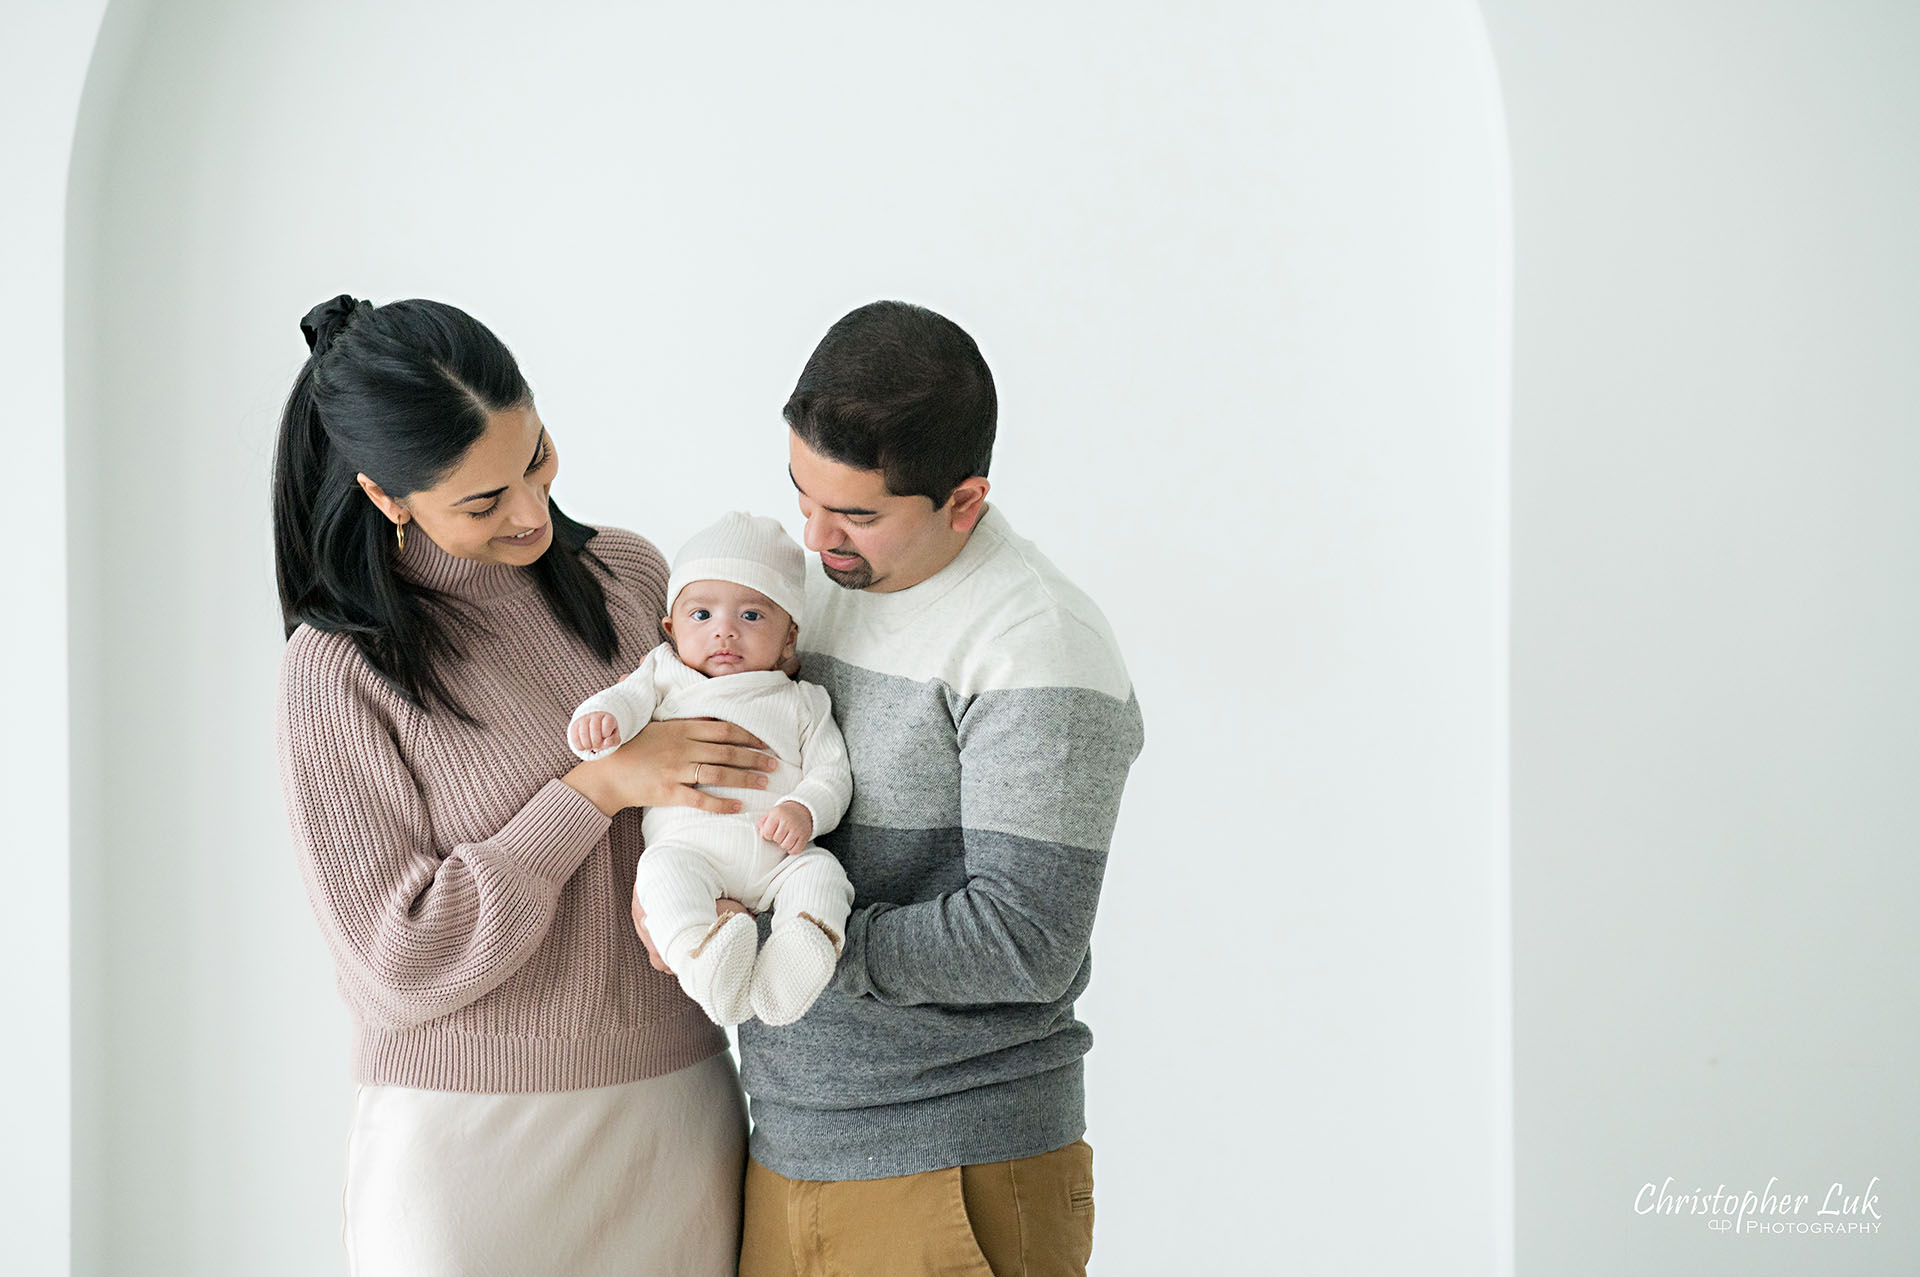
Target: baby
{"points": [[734, 601]]}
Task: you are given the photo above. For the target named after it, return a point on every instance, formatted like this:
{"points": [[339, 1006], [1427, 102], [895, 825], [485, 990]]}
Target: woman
{"points": [[533, 1097]]}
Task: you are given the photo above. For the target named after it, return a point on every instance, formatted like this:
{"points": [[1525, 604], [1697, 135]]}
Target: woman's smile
{"points": [[528, 537]]}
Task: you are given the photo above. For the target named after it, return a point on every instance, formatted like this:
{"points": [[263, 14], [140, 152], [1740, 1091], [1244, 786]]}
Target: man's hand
{"points": [[591, 732], [721, 907], [790, 825]]}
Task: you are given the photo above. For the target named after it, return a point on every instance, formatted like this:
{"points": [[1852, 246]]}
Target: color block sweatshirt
{"points": [[476, 905], [990, 722]]}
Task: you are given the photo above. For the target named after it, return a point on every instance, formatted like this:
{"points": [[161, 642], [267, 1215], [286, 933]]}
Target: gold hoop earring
{"points": [[400, 536]]}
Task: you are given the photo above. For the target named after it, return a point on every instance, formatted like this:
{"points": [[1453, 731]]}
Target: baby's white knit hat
{"points": [[747, 549]]}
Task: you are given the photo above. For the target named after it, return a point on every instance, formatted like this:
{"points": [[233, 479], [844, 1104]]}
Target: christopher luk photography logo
{"points": [[1772, 1211]]}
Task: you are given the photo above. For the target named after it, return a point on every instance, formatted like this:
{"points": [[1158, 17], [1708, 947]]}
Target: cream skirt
{"points": [[634, 1180]]}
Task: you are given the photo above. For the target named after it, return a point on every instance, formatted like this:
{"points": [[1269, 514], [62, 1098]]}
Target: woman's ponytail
{"points": [[301, 460], [314, 504]]}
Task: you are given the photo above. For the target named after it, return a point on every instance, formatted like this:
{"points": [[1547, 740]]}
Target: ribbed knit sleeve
{"points": [[417, 929], [630, 701], [826, 784]]}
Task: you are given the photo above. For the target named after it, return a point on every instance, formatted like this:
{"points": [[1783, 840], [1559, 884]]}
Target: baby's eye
{"points": [[751, 614], [700, 614]]}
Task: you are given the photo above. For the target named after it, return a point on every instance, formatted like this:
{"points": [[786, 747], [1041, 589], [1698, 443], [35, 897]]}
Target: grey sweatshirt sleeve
{"points": [[1042, 770]]}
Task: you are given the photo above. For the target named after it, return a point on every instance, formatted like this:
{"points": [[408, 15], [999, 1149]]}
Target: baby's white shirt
{"points": [[794, 718]]}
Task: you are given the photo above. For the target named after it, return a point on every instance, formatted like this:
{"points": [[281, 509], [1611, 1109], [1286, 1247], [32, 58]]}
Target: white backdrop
{"points": [[1240, 276], [1270, 246], [1716, 607]]}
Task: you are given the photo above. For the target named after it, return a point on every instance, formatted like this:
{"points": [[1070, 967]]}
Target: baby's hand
{"points": [[592, 732], [790, 825]]}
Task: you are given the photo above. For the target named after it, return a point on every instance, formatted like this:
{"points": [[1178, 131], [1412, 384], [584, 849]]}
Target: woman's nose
{"points": [[530, 511]]}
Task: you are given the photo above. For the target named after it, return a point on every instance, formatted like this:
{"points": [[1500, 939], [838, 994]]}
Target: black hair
{"points": [[896, 388], [399, 393]]}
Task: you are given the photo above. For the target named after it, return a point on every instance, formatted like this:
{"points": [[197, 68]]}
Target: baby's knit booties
{"points": [[793, 967], [718, 972]]}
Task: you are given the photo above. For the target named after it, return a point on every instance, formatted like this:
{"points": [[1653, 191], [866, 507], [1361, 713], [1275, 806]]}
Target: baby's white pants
{"points": [[682, 874]]}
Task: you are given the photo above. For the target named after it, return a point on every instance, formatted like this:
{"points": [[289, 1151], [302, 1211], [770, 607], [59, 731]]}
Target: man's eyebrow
{"points": [[482, 496], [831, 509]]}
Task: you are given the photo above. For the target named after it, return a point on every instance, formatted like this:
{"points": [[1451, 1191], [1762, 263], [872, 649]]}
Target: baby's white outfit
{"points": [[693, 857]]}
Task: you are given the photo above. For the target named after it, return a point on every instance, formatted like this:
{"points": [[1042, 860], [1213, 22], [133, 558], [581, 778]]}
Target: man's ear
{"points": [[968, 503], [378, 495]]}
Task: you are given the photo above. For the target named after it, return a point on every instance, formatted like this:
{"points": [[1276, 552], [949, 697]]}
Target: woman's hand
{"points": [[661, 766], [721, 908]]}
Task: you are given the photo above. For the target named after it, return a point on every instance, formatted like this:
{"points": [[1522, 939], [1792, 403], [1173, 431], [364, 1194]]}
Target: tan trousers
{"points": [[1027, 1218]]}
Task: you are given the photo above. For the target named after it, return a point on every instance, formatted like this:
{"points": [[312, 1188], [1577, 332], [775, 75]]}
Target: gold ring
{"points": [[696, 774]]}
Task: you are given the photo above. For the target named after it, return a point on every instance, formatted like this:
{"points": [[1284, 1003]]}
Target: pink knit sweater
{"points": [[477, 906]]}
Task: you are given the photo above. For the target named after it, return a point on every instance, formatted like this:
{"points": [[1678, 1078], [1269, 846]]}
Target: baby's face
{"points": [[719, 627]]}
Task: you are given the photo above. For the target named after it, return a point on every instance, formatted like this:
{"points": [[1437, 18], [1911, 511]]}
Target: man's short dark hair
{"points": [[896, 388]]}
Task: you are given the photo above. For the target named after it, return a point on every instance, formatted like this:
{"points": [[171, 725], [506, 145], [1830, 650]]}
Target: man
{"points": [[928, 1110]]}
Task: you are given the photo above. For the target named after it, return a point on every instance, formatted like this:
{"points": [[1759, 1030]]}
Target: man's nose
{"points": [[819, 534]]}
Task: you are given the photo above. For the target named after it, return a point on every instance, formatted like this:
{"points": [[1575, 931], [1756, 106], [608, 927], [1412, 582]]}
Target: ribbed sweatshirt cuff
{"points": [[553, 833]]}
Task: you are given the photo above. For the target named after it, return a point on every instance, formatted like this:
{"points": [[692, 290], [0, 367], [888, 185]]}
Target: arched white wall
{"points": [[44, 49], [1241, 276], [1716, 607], [1787, 173]]}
